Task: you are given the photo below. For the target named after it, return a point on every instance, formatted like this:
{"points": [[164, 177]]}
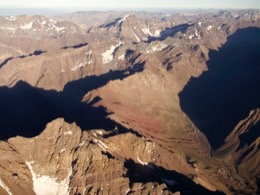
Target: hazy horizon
{"points": [[133, 4]]}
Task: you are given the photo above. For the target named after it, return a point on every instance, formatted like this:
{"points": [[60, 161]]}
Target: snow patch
{"points": [[191, 36], [8, 28], [209, 28], [121, 57], [78, 66], [99, 132], [158, 47], [101, 144], [147, 31], [53, 21], [58, 29], [52, 26], [62, 150], [200, 23], [68, 133], [127, 191], [123, 19], [137, 38], [43, 185], [27, 26], [86, 61], [157, 33], [89, 52], [10, 18], [197, 34], [141, 162], [81, 144], [107, 56], [4, 186], [42, 23]]}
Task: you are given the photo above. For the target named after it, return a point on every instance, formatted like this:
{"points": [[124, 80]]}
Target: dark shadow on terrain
{"points": [[250, 136], [110, 24], [25, 110], [35, 53], [75, 46], [5, 61], [224, 95], [258, 185], [138, 173], [169, 32]]}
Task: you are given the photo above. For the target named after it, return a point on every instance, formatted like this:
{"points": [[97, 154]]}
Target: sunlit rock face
{"points": [[130, 103]]}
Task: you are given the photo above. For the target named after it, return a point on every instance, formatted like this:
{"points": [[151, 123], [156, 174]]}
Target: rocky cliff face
{"points": [[241, 145], [120, 82], [65, 160]]}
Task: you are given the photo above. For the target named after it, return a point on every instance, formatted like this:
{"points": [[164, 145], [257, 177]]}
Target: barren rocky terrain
{"points": [[130, 103]]}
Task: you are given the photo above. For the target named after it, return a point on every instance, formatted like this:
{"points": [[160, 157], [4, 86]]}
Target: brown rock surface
{"points": [[65, 160]]}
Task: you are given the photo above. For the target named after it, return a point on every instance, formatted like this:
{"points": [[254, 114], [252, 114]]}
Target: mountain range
{"points": [[130, 103]]}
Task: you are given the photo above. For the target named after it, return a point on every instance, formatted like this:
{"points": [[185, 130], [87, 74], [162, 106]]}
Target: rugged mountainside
{"points": [[90, 106]]}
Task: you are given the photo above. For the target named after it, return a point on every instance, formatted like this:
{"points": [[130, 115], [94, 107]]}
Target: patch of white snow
{"points": [[53, 21], [141, 162], [128, 190], [99, 132], [137, 38], [27, 26], [3, 185], [155, 48], [107, 56], [78, 66], [191, 36], [58, 29], [10, 18], [102, 145], [62, 150], [123, 19], [89, 52], [81, 144], [209, 28], [44, 185], [8, 28], [68, 133], [197, 34], [147, 31], [121, 57]]}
